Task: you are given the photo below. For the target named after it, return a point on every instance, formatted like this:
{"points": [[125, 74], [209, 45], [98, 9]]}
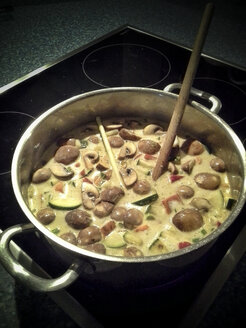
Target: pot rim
{"points": [[80, 251]]}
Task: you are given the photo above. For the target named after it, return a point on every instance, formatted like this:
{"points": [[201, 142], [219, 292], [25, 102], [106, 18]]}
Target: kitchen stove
{"points": [[125, 57]]}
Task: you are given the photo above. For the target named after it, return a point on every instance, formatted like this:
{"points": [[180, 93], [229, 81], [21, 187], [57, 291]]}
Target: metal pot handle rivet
{"points": [[215, 102], [15, 269]]}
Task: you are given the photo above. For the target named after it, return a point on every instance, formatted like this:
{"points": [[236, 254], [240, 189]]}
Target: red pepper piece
{"points": [[87, 180], [184, 244], [175, 177], [166, 201], [108, 227], [149, 157], [218, 223], [59, 186], [142, 228], [82, 173]]}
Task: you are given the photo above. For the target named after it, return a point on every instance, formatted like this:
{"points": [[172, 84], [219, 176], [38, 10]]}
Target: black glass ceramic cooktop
{"points": [[126, 57]]}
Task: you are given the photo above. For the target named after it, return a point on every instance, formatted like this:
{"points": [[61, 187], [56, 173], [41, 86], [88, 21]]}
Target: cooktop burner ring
{"points": [[126, 64], [12, 125]]}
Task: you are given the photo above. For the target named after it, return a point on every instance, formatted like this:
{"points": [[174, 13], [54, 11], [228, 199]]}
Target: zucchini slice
{"points": [[217, 199], [132, 238], [65, 203], [114, 240], [147, 200], [146, 164], [157, 247], [229, 203], [223, 201]]}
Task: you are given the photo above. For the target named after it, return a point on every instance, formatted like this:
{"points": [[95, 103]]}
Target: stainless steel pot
{"points": [[37, 144]]}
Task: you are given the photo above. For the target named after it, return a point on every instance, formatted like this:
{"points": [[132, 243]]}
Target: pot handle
{"points": [[15, 269], [216, 103]]}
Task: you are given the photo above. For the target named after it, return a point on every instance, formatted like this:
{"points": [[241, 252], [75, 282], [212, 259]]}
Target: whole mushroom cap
{"points": [[207, 181], [188, 220], [66, 154]]}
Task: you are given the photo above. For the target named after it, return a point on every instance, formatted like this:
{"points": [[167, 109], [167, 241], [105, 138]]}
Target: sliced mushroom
{"points": [[103, 164], [188, 166], [90, 157], [201, 204], [129, 176], [128, 135], [89, 195], [61, 171], [113, 125], [41, 175], [103, 209], [172, 168], [128, 150], [112, 132], [152, 129]]}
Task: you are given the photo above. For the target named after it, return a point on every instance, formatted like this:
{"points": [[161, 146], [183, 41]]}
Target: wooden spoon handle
{"points": [[162, 160]]}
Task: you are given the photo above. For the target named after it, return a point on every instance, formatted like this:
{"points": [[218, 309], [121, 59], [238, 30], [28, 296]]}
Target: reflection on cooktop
{"points": [[126, 65]]}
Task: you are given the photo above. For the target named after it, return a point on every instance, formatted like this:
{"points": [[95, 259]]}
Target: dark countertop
{"points": [[34, 33]]}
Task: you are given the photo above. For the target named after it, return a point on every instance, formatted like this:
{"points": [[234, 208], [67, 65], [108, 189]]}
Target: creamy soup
{"points": [[79, 196]]}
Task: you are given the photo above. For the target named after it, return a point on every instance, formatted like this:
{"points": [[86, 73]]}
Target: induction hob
{"points": [[125, 57]]}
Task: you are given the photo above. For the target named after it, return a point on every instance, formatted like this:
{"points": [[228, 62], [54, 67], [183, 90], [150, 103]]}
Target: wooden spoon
{"points": [[162, 160]]}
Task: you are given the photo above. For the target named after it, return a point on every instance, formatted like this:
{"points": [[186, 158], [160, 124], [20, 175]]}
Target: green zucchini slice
{"points": [[147, 200], [157, 247], [114, 240], [132, 238], [65, 203]]}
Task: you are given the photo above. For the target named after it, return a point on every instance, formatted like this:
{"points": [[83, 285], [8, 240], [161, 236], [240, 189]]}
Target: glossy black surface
{"points": [[140, 60]]}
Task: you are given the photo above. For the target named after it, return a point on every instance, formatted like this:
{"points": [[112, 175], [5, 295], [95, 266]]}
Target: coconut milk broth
{"points": [[160, 225]]}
